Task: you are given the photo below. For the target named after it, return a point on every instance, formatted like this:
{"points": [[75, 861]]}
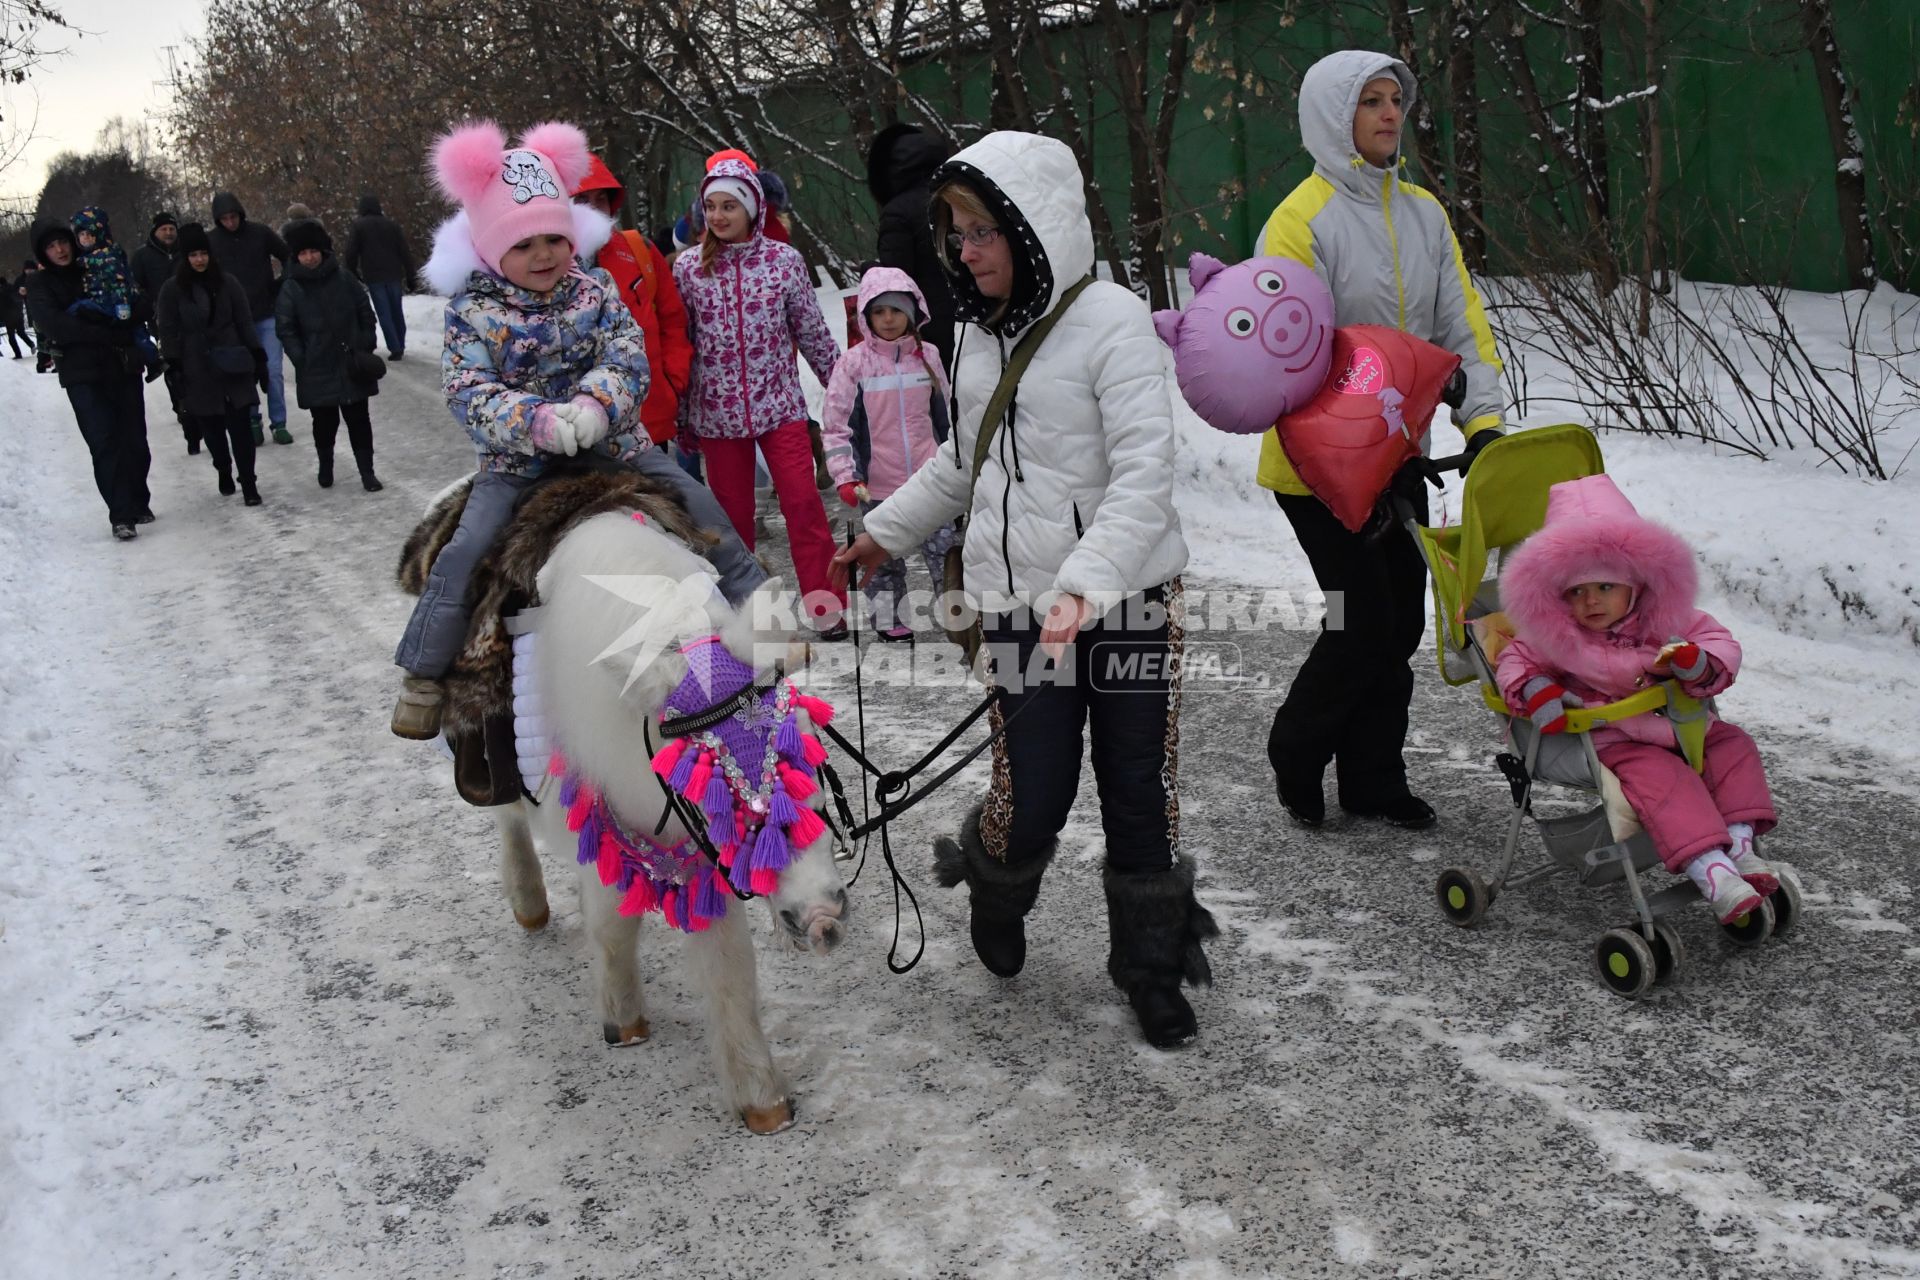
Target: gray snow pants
{"points": [[438, 626]]}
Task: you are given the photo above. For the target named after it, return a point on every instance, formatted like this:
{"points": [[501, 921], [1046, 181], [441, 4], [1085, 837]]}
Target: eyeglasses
{"points": [[979, 238]]}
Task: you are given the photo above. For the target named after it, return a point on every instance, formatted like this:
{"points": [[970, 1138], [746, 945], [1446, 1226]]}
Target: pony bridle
{"points": [[744, 763]]}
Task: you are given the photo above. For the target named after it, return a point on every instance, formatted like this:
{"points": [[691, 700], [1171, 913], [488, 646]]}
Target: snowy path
{"points": [[264, 1013]]}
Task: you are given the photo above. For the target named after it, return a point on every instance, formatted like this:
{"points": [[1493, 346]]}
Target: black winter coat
{"points": [[13, 308], [152, 268], [322, 312], [193, 319], [247, 254], [898, 166], [377, 249], [84, 352]]}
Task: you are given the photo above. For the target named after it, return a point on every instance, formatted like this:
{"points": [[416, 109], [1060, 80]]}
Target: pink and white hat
{"points": [[507, 194]]}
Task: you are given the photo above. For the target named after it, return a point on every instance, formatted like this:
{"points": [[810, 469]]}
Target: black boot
{"points": [[1296, 779], [1157, 927], [1001, 894], [326, 470]]}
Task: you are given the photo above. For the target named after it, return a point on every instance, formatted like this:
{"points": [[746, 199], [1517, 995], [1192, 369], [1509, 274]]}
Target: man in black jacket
{"points": [[100, 368], [153, 267], [378, 253], [899, 163], [247, 251]]}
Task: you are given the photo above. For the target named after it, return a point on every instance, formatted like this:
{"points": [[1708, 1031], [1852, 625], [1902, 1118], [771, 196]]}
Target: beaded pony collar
{"points": [[750, 774]]}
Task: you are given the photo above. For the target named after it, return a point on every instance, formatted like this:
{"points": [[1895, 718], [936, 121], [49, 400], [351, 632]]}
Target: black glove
{"points": [[1407, 481], [1454, 394], [1480, 440], [260, 369], [93, 316]]}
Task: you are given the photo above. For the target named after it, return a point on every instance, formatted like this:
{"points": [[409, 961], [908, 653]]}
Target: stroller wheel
{"points": [[1464, 896], [1625, 962], [1753, 928], [1669, 954], [1785, 901]]}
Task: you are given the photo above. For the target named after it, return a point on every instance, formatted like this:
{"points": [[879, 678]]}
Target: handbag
{"points": [[953, 567], [232, 360], [364, 365]]}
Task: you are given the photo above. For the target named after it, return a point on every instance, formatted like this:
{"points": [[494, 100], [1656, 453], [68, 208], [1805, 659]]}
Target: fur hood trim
{"points": [[454, 259], [1593, 534]]}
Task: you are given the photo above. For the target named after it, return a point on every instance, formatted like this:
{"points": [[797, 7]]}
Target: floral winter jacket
{"points": [[1593, 534], [746, 319], [509, 351], [886, 407]]}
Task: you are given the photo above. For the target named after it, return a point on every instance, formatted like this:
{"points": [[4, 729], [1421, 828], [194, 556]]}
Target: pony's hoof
{"points": [[765, 1120], [530, 923], [619, 1037]]}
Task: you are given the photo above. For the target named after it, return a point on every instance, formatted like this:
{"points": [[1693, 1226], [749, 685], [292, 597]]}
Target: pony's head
{"points": [[630, 618]]}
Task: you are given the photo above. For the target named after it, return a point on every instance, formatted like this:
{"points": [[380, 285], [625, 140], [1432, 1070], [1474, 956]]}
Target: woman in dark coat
{"points": [[323, 316], [207, 335]]}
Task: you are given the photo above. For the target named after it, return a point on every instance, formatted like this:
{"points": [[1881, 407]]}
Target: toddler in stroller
{"points": [[1602, 640]]}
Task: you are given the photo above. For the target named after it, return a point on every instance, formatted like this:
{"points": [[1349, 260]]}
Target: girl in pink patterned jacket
{"points": [[1601, 602], [749, 304], [886, 413]]}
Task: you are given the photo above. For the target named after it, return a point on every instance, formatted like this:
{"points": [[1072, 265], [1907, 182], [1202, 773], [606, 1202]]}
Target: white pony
{"points": [[616, 607]]}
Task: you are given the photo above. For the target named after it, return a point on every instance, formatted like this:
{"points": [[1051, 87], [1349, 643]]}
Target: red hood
{"points": [[600, 178]]}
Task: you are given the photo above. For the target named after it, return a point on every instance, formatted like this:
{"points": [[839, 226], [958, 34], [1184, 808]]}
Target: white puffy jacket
{"points": [[1076, 493]]}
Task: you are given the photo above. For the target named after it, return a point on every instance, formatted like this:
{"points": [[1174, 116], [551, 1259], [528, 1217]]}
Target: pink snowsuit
{"points": [[1593, 534]]}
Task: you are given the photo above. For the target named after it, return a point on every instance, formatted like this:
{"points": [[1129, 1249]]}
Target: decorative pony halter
{"points": [[744, 762]]}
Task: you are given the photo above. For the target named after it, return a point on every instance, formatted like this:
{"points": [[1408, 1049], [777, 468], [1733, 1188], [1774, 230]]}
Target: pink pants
{"points": [[1686, 813], [789, 454]]}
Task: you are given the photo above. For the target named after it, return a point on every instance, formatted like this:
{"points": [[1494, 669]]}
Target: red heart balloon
{"points": [[1369, 418]]}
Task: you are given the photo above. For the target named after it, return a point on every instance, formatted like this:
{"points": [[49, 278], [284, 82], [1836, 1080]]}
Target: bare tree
{"points": [[1850, 160]]}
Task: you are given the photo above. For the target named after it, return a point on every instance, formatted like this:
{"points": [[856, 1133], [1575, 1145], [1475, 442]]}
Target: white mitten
{"points": [[588, 418]]}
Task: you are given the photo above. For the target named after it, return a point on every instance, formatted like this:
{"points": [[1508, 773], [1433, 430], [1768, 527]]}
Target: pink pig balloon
{"points": [[1254, 343]]}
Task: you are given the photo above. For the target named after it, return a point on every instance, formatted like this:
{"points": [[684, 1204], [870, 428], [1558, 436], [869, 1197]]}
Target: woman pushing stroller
{"points": [[1602, 605]]}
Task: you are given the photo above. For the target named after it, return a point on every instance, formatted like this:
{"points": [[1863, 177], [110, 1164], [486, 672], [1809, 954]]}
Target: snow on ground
{"points": [[263, 1012]]}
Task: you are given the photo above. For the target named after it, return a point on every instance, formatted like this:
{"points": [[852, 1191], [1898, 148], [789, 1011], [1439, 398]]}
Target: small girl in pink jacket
{"points": [[1601, 602], [885, 416]]}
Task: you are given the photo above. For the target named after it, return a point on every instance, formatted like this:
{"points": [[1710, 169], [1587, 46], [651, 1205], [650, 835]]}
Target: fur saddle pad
{"points": [[480, 683]]}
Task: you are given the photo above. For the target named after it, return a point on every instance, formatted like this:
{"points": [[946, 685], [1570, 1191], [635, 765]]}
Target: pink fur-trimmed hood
{"points": [[1593, 534]]}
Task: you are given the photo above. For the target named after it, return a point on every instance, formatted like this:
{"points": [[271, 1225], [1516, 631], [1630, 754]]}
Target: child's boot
{"points": [[1761, 873], [1728, 894], [416, 715]]}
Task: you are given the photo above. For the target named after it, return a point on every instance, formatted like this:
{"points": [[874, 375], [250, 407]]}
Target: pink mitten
{"points": [[552, 431]]}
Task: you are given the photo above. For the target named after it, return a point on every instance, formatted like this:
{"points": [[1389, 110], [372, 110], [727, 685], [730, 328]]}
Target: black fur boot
{"points": [[1157, 928], [1001, 894]]}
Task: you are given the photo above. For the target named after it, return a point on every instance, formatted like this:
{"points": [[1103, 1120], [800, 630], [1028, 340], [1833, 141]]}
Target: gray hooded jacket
{"points": [[1383, 245]]}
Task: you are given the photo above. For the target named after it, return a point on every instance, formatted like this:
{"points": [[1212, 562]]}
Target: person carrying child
{"points": [[886, 414], [1602, 606], [108, 282], [750, 304], [542, 360]]}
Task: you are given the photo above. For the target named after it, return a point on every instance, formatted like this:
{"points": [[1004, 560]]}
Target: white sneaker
{"points": [[1764, 876], [1729, 896]]}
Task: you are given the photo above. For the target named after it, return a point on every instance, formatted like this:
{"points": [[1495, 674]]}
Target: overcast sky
{"points": [[113, 70]]}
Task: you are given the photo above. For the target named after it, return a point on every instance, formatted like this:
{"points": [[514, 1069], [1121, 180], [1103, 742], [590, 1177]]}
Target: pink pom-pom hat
{"points": [[508, 193]]}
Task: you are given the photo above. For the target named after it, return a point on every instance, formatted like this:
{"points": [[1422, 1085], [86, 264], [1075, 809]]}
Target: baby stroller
{"points": [[1503, 502]]}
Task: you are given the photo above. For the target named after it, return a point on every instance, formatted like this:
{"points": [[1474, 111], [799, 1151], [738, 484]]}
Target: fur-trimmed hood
{"points": [[454, 259], [1593, 534]]}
